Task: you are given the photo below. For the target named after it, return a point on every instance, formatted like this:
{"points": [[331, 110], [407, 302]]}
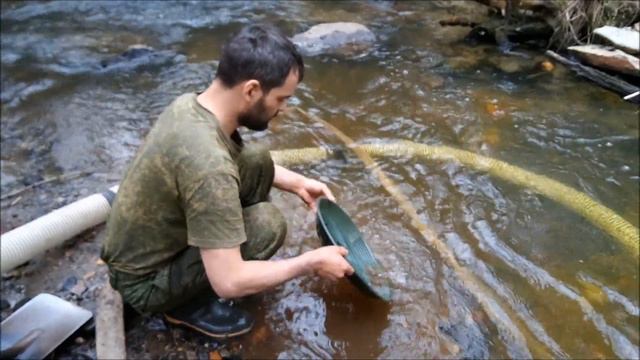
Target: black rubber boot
{"points": [[216, 318]]}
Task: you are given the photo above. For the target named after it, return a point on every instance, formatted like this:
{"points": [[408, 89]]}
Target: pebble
{"points": [[156, 324], [79, 340], [69, 283], [547, 65], [79, 288], [4, 304]]}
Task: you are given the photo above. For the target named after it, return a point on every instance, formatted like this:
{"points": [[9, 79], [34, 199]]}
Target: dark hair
{"points": [[259, 52]]}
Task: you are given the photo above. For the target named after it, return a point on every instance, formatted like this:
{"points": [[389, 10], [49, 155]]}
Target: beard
{"points": [[256, 118]]}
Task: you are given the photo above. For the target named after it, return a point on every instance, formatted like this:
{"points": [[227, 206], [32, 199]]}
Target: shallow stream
{"points": [[64, 112]]}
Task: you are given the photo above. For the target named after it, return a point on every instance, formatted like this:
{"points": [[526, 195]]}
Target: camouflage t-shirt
{"points": [[181, 189]]}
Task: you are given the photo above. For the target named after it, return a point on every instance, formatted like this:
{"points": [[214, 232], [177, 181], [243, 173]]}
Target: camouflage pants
{"points": [[184, 278]]}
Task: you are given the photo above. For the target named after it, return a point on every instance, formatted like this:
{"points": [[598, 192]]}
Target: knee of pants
{"points": [[255, 154], [265, 228], [256, 170]]}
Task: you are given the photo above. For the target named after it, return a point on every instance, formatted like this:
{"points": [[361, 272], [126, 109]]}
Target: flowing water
{"points": [[553, 283]]}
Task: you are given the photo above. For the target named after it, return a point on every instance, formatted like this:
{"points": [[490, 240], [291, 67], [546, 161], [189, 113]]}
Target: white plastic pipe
{"points": [[27, 241]]}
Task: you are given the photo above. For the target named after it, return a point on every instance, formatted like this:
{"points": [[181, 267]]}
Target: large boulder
{"points": [[345, 38], [607, 58], [626, 39]]}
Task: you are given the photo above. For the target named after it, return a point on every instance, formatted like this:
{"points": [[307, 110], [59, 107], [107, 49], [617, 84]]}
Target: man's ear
{"points": [[251, 90]]}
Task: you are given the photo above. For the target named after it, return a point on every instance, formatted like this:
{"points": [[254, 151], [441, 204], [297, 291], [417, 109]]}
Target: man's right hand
{"points": [[329, 262]]}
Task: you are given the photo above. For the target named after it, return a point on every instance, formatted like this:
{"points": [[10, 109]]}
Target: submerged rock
{"points": [[606, 58], [138, 56], [346, 38], [626, 39]]}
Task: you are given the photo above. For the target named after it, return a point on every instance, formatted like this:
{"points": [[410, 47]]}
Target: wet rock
{"points": [[156, 324], [136, 57], [506, 35], [492, 108], [345, 38], [4, 304], [139, 56], [11, 274], [434, 81], [468, 337], [606, 58], [68, 283], [546, 65], [510, 64], [626, 39], [78, 289], [462, 62]]}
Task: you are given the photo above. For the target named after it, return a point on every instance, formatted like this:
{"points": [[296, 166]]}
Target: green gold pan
{"points": [[336, 228]]}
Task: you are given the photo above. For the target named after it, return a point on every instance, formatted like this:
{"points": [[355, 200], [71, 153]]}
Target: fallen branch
{"points": [[603, 79], [110, 339], [67, 176]]}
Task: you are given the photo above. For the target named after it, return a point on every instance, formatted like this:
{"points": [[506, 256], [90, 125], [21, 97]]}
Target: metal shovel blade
{"points": [[40, 326]]}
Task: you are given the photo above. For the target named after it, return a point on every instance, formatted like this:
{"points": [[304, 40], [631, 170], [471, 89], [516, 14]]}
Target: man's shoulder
{"points": [[183, 104]]}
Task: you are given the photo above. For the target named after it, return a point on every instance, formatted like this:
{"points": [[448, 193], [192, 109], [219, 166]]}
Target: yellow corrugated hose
{"points": [[601, 216], [604, 218], [621, 230]]}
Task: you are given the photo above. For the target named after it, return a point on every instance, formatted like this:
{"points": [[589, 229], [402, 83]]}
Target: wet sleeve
{"points": [[212, 209]]}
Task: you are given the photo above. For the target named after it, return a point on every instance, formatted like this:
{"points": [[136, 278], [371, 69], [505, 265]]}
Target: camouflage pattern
{"points": [[190, 186]]}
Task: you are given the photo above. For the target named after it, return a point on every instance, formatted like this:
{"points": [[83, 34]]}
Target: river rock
{"points": [[68, 283], [4, 304], [626, 39], [137, 56], [346, 38], [607, 58]]}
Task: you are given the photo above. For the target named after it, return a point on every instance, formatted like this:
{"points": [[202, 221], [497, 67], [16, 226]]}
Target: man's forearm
{"points": [[287, 180], [251, 277]]}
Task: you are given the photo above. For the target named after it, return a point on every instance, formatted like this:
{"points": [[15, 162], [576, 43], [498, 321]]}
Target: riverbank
{"points": [[600, 37]]}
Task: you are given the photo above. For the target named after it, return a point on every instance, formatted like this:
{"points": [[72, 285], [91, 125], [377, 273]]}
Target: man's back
{"points": [[148, 224]]}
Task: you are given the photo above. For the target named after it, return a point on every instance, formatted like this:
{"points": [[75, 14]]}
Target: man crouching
{"points": [[192, 212]]}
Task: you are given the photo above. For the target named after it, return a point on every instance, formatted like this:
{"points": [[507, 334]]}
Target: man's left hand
{"points": [[310, 190]]}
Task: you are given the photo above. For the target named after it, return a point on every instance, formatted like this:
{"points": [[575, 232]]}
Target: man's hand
{"points": [[308, 190], [329, 262]]}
